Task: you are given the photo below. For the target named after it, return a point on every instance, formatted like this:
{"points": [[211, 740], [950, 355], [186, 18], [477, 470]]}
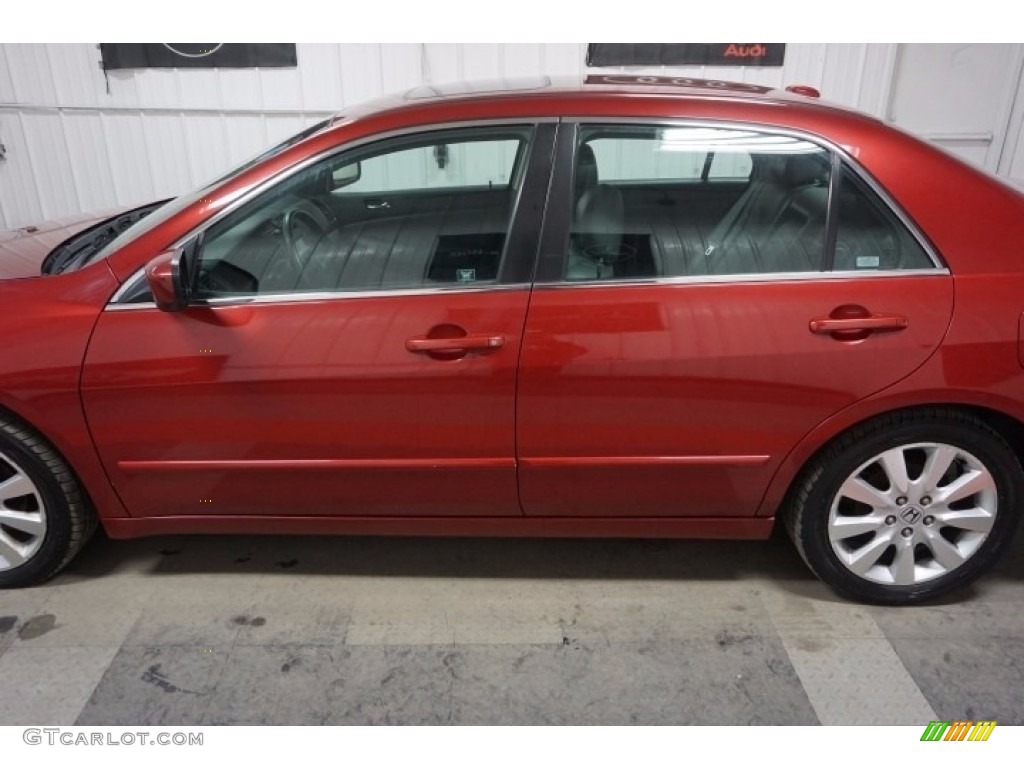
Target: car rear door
{"points": [[672, 358], [342, 358]]}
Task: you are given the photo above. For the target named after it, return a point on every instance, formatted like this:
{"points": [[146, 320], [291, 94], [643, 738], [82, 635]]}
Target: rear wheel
{"points": [[907, 507], [44, 517]]}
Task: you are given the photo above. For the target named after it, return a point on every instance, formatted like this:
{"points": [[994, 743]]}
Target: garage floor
{"points": [[220, 630]]}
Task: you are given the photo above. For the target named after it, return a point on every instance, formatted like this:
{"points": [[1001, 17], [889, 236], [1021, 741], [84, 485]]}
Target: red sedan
{"points": [[639, 307]]}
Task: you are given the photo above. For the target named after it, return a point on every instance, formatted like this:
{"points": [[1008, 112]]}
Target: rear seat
{"points": [[777, 225]]}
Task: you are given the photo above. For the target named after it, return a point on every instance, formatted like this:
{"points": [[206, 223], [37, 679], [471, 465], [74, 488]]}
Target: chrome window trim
{"points": [[748, 277], [126, 307], [295, 298], [693, 280], [133, 280], [258, 189], [827, 144]]}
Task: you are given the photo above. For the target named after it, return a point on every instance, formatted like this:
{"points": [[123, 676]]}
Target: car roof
{"points": [[599, 86]]}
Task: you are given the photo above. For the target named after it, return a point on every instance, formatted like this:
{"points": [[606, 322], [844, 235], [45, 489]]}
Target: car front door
{"points": [[705, 297], [352, 345]]}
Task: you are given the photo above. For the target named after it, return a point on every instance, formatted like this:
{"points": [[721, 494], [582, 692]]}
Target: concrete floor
{"points": [[267, 630]]}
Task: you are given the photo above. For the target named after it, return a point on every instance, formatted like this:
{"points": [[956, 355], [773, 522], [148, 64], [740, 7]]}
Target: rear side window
{"points": [[869, 235], [689, 201], [653, 202], [661, 155], [730, 165]]}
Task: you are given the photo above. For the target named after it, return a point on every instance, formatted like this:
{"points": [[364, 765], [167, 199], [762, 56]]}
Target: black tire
{"points": [[70, 520], [806, 511]]}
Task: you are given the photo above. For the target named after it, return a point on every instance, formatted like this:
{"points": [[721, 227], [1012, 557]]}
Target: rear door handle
{"points": [[459, 344], [868, 324]]}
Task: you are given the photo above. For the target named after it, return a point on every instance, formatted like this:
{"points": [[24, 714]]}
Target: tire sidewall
{"points": [[58, 520], [988, 447]]}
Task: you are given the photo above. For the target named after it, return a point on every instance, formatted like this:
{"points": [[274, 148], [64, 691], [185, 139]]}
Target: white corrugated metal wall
{"points": [[77, 141]]}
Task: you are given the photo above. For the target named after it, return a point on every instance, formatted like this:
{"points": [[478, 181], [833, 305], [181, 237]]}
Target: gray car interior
{"points": [[314, 239]]}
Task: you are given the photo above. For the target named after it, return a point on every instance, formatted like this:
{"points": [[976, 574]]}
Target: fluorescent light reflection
{"points": [[723, 140]]}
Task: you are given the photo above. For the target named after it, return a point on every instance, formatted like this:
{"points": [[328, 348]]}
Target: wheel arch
{"points": [[1005, 418], [78, 456]]}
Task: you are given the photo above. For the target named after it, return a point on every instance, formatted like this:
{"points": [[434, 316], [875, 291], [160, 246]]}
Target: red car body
{"points": [[618, 410]]}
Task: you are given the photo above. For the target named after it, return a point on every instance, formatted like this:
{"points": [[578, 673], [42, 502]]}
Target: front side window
{"points": [[429, 210], [687, 201]]}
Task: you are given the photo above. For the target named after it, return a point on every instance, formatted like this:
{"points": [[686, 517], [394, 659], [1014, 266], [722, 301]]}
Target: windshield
{"points": [[177, 205]]}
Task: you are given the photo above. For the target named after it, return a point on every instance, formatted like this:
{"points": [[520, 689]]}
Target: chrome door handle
{"points": [[376, 205]]}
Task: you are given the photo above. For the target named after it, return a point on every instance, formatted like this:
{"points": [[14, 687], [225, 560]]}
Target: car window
{"points": [[685, 201], [431, 210], [465, 163], [869, 235], [729, 165], [647, 156]]}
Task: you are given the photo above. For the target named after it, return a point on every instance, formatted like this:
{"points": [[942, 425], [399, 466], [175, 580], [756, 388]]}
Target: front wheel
{"points": [[44, 516], [907, 507]]}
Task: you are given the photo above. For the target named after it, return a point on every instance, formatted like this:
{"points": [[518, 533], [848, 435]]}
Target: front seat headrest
{"points": [[804, 170], [586, 170], [599, 222]]}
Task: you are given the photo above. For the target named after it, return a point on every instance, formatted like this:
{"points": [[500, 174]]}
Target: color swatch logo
{"points": [[958, 730]]}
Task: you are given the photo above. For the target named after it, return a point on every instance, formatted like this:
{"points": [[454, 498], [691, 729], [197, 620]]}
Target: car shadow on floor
{"points": [[774, 560]]}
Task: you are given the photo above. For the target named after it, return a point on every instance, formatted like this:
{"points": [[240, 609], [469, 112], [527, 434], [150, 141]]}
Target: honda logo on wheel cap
{"points": [[910, 515]]}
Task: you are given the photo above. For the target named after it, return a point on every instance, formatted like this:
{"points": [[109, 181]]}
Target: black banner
{"points": [[178, 55], [686, 54]]}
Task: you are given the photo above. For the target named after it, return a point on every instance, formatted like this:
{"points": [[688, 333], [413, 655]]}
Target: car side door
{"points": [[339, 357], [687, 330]]}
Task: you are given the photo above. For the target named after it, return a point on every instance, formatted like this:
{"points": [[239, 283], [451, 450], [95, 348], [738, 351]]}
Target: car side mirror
{"points": [[345, 175], [168, 279]]}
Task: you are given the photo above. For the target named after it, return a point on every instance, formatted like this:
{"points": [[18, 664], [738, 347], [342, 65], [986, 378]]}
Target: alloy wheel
{"points": [[22, 515], [913, 513]]}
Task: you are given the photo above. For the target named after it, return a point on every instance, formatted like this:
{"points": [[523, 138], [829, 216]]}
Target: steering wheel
{"points": [[303, 230]]}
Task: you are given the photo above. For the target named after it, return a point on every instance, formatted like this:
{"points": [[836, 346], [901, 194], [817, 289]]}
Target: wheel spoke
{"points": [[26, 522], [936, 466], [965, 486], [903, 565], [945, 553], [15, 487], [859, 490], [894, 463], [861, 560], [21, 531], [11, 551], [845, 526], [976, 519]]}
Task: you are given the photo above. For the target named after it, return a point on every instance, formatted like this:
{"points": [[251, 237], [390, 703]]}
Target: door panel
{"points": [[310, 407], [356, 361], [682, 399]]}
